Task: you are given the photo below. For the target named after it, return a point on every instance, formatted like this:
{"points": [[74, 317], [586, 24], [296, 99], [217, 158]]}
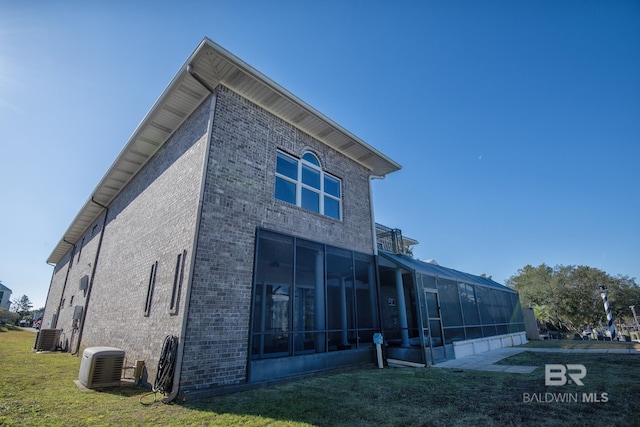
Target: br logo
{"points": [[556, 374]]}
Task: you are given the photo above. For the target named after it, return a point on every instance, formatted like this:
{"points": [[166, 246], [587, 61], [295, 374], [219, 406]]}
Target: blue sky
{"points": [[517, 123]]}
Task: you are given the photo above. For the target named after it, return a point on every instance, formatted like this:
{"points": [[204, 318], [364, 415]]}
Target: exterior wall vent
{"points": [[47, 340], [101, 367], [84, 283]]}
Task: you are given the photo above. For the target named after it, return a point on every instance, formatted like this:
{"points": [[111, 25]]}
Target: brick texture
{"points": [[155, 218], [238, 198]]}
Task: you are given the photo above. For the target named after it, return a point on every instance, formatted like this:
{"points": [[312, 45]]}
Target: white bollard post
{"points": [[377, 340]]}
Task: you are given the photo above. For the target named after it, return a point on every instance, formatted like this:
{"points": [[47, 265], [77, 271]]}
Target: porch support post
{"points": [[402, 309]]}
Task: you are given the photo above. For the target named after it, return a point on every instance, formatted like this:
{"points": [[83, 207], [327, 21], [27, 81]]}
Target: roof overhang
{"points": [[214, 65], [389, 260]]}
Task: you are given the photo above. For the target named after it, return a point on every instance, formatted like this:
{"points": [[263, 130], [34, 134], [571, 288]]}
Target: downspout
{"points": [[375, 251], [185, 313], [373, 219], [48, 293], [66, 278], [199, 79], [93, 273]]}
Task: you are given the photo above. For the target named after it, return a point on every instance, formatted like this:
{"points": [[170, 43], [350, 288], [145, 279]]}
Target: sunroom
{"points": [[431, 313]]}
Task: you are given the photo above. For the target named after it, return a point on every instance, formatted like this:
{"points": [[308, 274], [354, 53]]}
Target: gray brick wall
{"points": [[152, 219], [68, 295], [238, 197]]}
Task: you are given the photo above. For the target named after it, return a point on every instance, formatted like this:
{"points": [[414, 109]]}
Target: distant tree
{"points": [[8, 317], [568, 297], [22, 306]]}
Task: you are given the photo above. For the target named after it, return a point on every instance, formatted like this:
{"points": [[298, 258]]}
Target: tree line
{"points": [[21, 309], [569, 297]]}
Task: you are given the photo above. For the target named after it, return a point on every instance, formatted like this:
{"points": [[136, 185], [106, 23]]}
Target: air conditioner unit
{"points": [[101, 367], [47, 340]]}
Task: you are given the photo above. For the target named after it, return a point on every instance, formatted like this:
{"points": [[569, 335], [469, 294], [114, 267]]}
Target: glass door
{"points": [[432, 328]]}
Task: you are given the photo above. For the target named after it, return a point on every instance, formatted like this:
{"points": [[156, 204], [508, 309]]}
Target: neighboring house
{"points": [[238, 219], [5, 297]]}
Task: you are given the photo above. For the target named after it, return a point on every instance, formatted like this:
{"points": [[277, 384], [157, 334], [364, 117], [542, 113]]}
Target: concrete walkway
{"points": [[486, 361]]}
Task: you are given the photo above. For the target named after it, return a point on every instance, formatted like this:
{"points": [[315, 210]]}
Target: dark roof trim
{"points": [[408, 263]]}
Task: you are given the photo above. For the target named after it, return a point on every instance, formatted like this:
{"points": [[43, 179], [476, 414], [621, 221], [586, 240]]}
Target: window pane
{"points": [[484, 303], [340, 301], [310, 177], [331, 186], [428, 282], [287, 166], [331, 207], [271, 299], [308, 310], [285, 191], [517, 309], [432, 304], [310, 200], [498, 312], [489, 331], [367, 305], [311, 159], [469, 307], [475, 332], [436, 333], [449, 303], [453, 334]]}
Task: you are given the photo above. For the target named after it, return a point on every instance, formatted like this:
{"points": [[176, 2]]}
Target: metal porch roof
{"points": [[182, 96], [411, 264]]}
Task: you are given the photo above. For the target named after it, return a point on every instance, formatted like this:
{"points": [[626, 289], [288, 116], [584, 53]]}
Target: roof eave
{"points": [[181, 97]]}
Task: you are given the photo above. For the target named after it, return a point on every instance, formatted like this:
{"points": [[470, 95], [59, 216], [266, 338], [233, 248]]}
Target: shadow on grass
{"points": [[427, 396]]}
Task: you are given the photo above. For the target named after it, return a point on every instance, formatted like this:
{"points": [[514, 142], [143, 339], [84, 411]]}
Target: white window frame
{"points": [[300, 185]]}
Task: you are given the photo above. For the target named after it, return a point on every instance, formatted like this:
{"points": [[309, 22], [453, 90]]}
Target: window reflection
{"points": [[310, 298]]}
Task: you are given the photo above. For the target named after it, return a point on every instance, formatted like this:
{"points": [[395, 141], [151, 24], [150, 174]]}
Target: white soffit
{"points": [[182, 96]]}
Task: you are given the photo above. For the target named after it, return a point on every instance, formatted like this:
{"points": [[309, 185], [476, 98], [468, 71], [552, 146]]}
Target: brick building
{"points": [[236, 218]]}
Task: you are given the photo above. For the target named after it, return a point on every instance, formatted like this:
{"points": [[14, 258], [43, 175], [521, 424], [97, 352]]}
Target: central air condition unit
{"points": [[101, 367], [47, 340]]}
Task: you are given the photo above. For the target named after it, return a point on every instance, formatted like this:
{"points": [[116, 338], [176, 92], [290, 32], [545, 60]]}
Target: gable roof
{"points": [[212, 65], [430, 269]]}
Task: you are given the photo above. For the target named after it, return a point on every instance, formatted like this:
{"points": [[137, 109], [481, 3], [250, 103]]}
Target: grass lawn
{"points": [[582, 344], [39, 389]]}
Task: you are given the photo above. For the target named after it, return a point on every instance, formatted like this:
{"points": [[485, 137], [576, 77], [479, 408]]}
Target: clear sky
{"points": [[517, 123]]}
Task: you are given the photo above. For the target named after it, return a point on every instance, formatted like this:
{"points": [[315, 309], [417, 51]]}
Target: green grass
{"points": [[39, 389], [582, 344]]}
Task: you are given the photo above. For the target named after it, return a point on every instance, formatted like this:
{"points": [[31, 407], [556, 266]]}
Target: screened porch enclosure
{"points": [[314, 307], [425, 308]]}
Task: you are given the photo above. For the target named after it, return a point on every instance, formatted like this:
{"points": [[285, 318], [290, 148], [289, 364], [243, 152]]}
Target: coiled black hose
{"points": [[166, 367]]}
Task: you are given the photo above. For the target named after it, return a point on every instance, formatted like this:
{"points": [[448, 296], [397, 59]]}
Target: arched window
{"points": [[302, 182]]}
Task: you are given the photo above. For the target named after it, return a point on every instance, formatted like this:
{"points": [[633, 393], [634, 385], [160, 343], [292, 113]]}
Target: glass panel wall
{"points": [[309, 294], [271, 302], [474, 311], [366, 301], [310, 298], [340, 301]]}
